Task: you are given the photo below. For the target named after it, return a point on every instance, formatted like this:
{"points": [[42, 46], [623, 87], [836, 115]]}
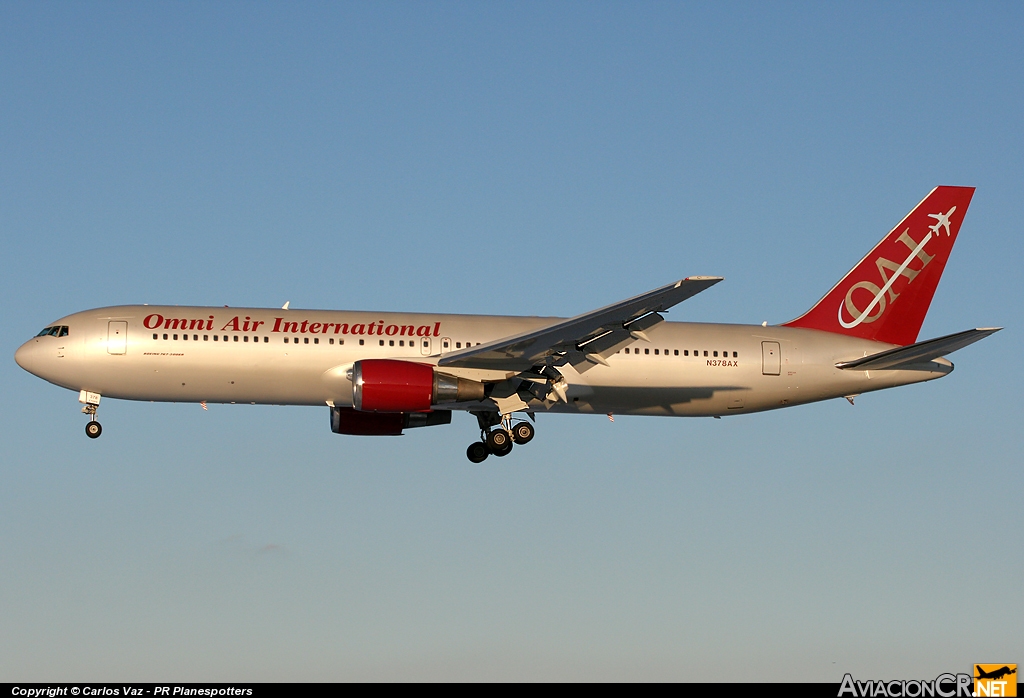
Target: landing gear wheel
{"points": [[477, 452], [93, 430], [522, 433], [505, 451], [497, 440]]}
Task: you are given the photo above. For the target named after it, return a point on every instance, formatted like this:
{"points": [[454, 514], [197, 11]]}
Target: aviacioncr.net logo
{"points": [[943, 686]]}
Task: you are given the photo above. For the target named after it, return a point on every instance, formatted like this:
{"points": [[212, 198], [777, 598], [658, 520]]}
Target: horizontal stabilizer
{"points": [[919, 353]]}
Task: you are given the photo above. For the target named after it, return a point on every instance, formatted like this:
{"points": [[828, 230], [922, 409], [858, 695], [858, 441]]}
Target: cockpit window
{"points": [[55, 331]]}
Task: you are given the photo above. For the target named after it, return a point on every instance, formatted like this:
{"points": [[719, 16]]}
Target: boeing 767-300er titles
{"points": [[380, 373]]}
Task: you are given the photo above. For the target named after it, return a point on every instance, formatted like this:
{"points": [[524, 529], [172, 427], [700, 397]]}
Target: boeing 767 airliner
{"points": [[380, 373]]}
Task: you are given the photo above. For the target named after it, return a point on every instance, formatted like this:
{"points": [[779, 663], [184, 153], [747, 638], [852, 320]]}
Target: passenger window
{"points": [[655, 352], [391, 343], [341, 341], [647, 351], [154, 336], [330, 341], [316, 340], [165, 336], [305, 340], [458, 345], [735, 354], [226, 338], [445, 344], [705, 352], [184, 337], [381, 342], [360, 342], [175, 337], [206, 338], [195, 338], [215, 338], [236, 337], [266, 340], [715, 353], [245, 338], [285, 340], [677, 352], [686, 352]]}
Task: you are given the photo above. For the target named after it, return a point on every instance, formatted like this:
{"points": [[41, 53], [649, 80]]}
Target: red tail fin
{"points": [[886, 296]]}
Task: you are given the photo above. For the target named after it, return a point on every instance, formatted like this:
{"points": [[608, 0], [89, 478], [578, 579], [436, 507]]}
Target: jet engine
{"points": [[387, 385]]}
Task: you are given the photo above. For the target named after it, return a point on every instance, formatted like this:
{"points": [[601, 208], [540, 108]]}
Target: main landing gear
{"points": [[497, 435], [93, 429]]}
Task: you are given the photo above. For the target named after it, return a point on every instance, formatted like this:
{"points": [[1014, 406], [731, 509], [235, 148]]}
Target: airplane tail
{"points": [[886, 295]]}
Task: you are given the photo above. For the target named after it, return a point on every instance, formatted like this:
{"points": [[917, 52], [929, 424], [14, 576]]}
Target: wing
{"points": [[584, 340], [919, 353]]}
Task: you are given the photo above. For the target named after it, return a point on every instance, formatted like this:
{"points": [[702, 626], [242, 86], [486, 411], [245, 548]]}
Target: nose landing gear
{"points": [[93, 429]]}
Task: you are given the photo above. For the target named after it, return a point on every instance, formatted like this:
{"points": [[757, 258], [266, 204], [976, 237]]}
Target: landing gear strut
{"points": [[93, 429], [497, 436]]}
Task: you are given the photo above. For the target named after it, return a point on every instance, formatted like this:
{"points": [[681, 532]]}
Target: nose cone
{"points": [[28, 356]]}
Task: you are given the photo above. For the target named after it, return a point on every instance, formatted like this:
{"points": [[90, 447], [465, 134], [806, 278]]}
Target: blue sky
{"points": [[531, 158]]}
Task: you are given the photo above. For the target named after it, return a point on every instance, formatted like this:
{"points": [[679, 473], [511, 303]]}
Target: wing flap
{"points": [[919, 353], [589, 337]]}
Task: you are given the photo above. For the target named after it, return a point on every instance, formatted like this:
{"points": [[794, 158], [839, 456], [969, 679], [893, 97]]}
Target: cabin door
{"points": [[117, 337], [771, 358]]}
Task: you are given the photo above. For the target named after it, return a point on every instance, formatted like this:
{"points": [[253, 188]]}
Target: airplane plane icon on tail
{"points": [[942, 221]]}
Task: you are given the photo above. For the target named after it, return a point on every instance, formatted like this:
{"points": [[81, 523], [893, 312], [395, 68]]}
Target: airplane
{"points": [[379, 373], [941, 221], [995, 674]]}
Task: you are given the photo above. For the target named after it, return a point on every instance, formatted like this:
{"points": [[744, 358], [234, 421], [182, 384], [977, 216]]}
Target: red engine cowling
{"points": [[385, 385]]}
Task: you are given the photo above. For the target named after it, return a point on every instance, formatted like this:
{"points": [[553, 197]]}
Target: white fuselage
{"points": [[300, 357]]}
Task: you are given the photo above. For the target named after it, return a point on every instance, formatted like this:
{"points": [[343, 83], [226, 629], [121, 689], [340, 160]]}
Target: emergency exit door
{"points": [[117, 337], [771, 359]]}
